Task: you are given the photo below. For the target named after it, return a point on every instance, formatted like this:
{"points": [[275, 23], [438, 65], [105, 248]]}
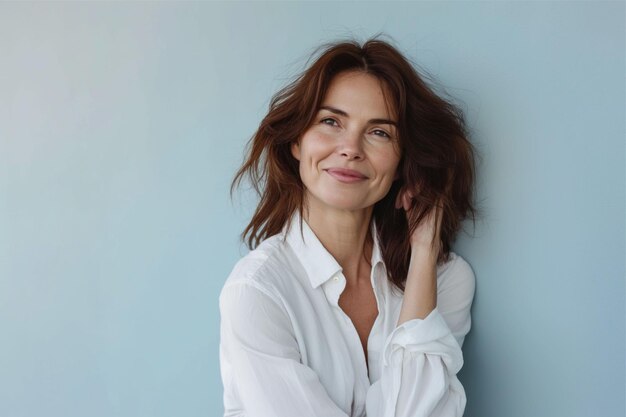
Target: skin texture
{"points": [[339, 213]]}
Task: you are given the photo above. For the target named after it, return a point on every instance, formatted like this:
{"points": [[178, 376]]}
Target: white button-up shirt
{"points": [[287, 349]]}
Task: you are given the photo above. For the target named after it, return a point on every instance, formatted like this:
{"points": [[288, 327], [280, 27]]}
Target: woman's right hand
{"points": [[426, 239]]}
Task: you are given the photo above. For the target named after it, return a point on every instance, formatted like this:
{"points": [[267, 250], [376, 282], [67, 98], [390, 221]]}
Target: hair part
{"points": [[437, 159]]}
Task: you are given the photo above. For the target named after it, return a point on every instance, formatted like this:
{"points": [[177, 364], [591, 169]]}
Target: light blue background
{"points": [[121, 126]]}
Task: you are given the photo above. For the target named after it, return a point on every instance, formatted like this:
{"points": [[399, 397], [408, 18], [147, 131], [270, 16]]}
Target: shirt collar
{"points": [[318, 263]]}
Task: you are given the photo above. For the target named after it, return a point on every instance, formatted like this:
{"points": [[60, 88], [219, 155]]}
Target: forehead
{"points": [[360, 94]]}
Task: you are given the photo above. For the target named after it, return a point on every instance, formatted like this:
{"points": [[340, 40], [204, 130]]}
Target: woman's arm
{"points": [[420, 294], [423, 354]]}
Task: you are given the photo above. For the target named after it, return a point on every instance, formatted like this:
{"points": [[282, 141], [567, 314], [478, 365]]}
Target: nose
{"points": [[351, 146]]}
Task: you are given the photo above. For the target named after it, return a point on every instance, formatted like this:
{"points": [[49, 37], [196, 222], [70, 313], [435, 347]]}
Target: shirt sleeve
{"points": [[258, 343], [421, 357]]}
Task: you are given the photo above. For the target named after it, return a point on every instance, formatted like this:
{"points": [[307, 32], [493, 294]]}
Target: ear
{"points": [[295, 150]]}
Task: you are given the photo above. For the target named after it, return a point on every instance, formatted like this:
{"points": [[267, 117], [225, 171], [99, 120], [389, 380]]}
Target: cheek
{"points": [[315, 147], [310, 156], [388, 163]]}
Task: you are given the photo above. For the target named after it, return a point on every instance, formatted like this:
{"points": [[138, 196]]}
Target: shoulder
{"points": [[456, 274], [455, 294], [253, 299], [261, 267]]}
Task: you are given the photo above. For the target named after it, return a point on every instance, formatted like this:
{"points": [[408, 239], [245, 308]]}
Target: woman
{"points": [[351, 302]]}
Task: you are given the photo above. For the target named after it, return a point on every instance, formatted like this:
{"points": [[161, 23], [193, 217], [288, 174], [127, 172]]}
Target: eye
{"points": [[328, 119], [382, 133]]}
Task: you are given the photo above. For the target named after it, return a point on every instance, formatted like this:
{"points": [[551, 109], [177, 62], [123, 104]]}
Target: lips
{"points": [[346, 173]]}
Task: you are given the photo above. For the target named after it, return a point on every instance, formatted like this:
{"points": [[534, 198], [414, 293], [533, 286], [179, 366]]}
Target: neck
{"points": [[346, 236]]}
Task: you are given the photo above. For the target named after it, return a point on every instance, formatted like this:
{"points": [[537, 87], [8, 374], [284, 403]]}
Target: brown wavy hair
{"points": [[436, 156]]}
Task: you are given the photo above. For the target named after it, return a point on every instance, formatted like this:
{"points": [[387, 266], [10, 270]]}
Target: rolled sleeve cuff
{"points": [[430, 335]]}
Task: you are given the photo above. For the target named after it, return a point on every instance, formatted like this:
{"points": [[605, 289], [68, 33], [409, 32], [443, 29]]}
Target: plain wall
{"points": [[122, 124]]}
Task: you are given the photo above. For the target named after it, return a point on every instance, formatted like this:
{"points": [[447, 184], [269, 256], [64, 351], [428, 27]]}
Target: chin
{"points": [[340, 202]]}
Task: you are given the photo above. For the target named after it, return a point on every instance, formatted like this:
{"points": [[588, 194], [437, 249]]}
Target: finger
{"points": [[398, 202], [407, 201], [439, 220], [400, 198]]}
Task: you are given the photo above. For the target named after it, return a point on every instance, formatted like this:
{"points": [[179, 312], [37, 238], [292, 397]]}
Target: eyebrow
{"points": [[371, 121]]}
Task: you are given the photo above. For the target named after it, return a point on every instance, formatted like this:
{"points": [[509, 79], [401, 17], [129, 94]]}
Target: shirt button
{"points": [[336, 278]]}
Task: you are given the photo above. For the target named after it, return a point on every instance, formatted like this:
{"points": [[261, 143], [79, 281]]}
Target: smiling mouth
{"points": [[344, 177]]}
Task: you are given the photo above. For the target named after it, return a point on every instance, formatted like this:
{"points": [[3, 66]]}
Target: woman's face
{"points": [[349, 155]]}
